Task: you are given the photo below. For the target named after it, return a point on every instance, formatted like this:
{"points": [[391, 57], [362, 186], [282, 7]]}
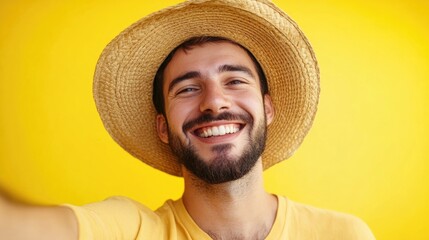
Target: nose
{"points": [[214, 100]]}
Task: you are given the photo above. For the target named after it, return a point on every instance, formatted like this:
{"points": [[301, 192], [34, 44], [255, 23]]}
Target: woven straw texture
{"points": [[126, 69]]}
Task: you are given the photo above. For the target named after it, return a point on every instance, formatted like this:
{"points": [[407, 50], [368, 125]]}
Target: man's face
{"points": [[216, 116]]}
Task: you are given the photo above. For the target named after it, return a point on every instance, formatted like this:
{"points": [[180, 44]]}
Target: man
{"points": [[234, 86]]}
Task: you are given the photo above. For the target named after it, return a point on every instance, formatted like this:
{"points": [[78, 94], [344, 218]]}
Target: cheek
{"points": [[177, 115], [253, 104]]}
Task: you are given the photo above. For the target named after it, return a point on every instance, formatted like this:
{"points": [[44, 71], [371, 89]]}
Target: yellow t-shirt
{"points": [[123, 218]]}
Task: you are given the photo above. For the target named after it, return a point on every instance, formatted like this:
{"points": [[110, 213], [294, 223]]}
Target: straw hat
{"points": [[126, 69]]}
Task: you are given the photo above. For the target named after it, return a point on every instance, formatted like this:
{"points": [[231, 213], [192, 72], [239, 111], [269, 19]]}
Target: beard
{"points": [[224, 167]]}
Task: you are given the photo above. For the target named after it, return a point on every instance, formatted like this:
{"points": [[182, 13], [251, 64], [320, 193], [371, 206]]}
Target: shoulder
{"points": [[116, 216], [118, 207], [327, 223]]}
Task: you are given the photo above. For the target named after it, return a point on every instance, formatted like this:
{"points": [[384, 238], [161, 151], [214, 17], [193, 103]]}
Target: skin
{"points": [[23, 221], [211, 90]]}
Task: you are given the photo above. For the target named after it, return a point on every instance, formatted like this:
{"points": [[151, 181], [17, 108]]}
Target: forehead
{"points": [[206, 57]]}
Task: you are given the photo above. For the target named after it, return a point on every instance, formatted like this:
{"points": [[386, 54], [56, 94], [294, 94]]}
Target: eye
{"points": [[235, 82], [187, 90]]}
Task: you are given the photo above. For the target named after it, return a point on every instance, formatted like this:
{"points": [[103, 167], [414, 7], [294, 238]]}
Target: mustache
{"points": [[207, 118]]}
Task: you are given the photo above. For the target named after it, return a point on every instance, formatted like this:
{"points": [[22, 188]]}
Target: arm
{"points": [[21, 221]]}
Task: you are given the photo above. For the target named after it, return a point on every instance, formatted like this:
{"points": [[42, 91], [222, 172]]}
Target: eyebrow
{"points": [[235, 68], [221, 69], [188, 75]]}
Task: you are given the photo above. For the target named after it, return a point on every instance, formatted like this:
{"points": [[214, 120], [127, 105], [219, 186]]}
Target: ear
{"points": [[162, 128], [269, 109]]}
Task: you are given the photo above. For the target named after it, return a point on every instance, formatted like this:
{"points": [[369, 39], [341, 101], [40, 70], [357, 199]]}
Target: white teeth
{"points": [[219, 130], [222, 130], [215, 131], [227, 129]]}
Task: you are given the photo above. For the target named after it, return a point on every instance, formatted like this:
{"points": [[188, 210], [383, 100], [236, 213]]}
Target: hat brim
{"points": [[126, 69]]}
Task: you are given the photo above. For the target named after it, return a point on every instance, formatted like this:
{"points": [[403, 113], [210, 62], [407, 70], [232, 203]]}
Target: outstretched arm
{"points": [[21, 221]]}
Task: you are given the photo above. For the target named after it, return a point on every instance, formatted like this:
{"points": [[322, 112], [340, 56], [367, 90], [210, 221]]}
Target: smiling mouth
{"points": [[215, 131]]}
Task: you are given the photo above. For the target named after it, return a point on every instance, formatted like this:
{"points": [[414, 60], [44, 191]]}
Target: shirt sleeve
{"points": [[355, 228], [115, 218], [308, 222]]}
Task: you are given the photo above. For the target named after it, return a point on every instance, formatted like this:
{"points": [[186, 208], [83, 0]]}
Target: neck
{"points": [[243, 205]]}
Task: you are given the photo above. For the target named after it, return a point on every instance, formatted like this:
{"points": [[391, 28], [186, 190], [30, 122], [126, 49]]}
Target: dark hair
{"points": [[158, 95]]}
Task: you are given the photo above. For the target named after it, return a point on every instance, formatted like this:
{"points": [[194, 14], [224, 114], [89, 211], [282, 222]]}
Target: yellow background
{"points": [[367, 153]]}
